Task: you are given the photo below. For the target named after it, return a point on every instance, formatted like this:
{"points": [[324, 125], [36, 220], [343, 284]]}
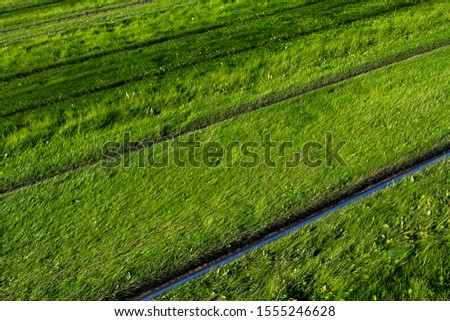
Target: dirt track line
{"points": [[160, 73], [241, 110], [300, 219], [156, 41]]}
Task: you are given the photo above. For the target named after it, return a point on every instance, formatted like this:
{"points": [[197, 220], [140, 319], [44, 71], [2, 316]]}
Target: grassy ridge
{"points": [[391, 246], [71, 133], [96, 233], [114, 70]]}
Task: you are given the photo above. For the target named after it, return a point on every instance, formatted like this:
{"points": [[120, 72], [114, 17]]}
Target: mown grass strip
{"points": [[398, 237], [101, 233], [284, 231], [70, 134]]}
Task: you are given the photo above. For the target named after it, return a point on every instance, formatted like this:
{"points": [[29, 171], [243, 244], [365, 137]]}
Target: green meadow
{"points": [[63, 135], [116, 229], [86, 215]]}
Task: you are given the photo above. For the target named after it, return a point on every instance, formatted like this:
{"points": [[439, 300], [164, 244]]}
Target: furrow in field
{"points": [[242, 110]]}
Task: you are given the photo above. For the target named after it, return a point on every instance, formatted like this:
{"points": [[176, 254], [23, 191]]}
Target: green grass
{"points": [[100, 233], [62, 135], [93, 34], [147, 60], [76, 74], [21, 13], [393, 245], [8, 6]]}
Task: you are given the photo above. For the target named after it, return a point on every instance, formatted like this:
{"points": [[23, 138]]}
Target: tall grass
{"points": [[101, 233], [65, 134]]}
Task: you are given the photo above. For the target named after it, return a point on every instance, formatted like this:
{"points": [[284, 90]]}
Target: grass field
{"points": [[374, 74], [134, 227], [391, 246], [72, 132]]}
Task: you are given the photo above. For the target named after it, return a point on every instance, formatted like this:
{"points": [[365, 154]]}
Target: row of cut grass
{"points": [[45, 141], [391, 246], [101, 233]]}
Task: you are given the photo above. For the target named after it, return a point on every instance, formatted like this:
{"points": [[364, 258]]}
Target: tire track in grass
{"points": [[89, 13], [161, 73], [299, 220], [240, 110], [157, 41]]}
